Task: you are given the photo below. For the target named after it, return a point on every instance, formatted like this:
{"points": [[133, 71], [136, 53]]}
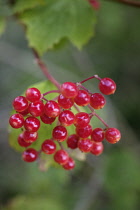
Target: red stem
{"points": [[44, 69], [128, 2], [95, 76], [52, 91]]}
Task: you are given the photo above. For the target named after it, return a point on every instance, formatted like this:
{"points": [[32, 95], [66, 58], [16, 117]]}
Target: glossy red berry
{"points": [[65, 103], [72, 141], [61, 157], [20, 103], [33, 94], [107, 86], [16, 120], [84, 132], [98, 135], [82, 98], [32, 124], [82, 119], [69, 89], [30, 137], [59, 133], [30, 155], [97, 148], [85, 145], [97, 101], [112, 135], [66, 118], [48, 146], [47, 120], [52, 109], [22, 142], [36, 109], [70, 164]]}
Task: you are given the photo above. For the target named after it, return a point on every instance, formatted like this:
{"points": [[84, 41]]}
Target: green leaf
{"points": [[47, 25], [2, 24], [21, 5]]}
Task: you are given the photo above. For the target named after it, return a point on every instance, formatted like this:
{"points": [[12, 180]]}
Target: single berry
{"points": [[84, 132], [25, 112], [48, 146], [61, 157], [112, 135], [20, 103], [97, 148], [98, 135], [36, 109], [85, 145], [69, 90], [82, 119], [97, 101], [47, 120], [95, 4], [30, 155], [52, 109], [70, 164], [82, 98], [22, 142], [30, 137], [32, 124], [107, 86], [59, 133], [33, 94], [16, 120], [72, 141], [65, 103], [66, 118]]}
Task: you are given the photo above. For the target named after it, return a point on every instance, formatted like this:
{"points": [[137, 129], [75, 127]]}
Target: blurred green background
{"points": [[108, 182]]}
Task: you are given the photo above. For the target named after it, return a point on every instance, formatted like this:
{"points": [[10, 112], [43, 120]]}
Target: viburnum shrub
{"points": [[53, 122], [34, 109]]}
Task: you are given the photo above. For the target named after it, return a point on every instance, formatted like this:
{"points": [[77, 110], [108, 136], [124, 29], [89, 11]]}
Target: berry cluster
{"points": [[34, 108]]}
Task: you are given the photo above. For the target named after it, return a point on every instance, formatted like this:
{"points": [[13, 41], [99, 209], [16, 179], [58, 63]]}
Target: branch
{"points": [[128, 2], [44, 69]]}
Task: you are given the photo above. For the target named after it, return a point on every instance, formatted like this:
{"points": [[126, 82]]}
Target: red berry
{"points": [[66, 118], [30, 155], [33, 94], [70, 164], [98, 135], [97, 101], [82, 98], [52, 109], [48, 146], [30, 137], [107, 86], [112, 135], [72, 141], [97, 148], [69, 90], [46, 119], [84, 132], [95, 4], [59, 133], [85, 145], [32, 124], [20, 103], [65, 103], [16, 120], [61, 157], [82, 119], [36, 109], [22, 142], [25, 112]]}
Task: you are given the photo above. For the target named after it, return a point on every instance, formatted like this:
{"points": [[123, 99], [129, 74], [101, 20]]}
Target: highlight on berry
{"points": [[34, 109]]}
